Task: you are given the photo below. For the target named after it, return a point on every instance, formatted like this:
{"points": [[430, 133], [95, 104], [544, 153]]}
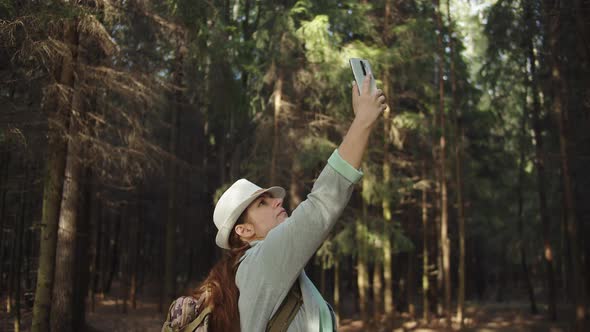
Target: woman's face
{"points": [[262, 215]]}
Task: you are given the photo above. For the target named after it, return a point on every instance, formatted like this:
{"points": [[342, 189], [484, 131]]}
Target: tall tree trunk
{"points": [[65, 263], [141, 270], [521, 175], [277, 102], [20, 225], [361, 266], [112, 259], [337, 290], [124, 270], [411, 273], [53, 187], [540, 164], [82, 266], [362, 273], [566, 262], [437, 245], [62, 302], [3, 190], [134, 237], [170, 265], [444, 238], [425, 268], [105, 253], [295, 187], [389, 309], [95, 252], [560, 115], [12, 266], [377, 290], [458, 174], [169, 269]]}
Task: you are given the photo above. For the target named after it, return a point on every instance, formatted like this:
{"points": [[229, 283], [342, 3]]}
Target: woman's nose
{"points": [[278, 202]]}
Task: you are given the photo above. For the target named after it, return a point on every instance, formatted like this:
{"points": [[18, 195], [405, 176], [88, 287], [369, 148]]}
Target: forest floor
{"points": [[109, 316], [480, 317]]}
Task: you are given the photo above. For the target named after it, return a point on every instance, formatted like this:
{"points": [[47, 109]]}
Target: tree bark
{"points": [[295, 187], [277, 101], [458, 175], [377, 291], [425, 268], [362, 274], [560, 116], [540, 165], [169, 270], [82, 263], [95, 252], [521, 175], [361, 266], [112, 259], [440, 281], [444, 238], [17, 261], [11, 267], [436, 244], [412, 285], [65, 263], [124, 269], [337, 290], [170, 260], [53, 187], [134, 236], [388, 304], [5, 162], [389, 309]]}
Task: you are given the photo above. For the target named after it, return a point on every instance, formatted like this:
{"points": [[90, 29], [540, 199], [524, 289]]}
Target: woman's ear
{"points": [[245, 231]]}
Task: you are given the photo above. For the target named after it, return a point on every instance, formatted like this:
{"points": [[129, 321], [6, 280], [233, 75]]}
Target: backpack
{"points": [[187, 314]]}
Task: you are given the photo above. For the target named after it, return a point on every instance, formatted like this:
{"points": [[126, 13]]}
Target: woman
{"points": [[268, 249]]}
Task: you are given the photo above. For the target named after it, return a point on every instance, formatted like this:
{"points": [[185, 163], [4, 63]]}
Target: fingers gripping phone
{"points": [[360, 69]]}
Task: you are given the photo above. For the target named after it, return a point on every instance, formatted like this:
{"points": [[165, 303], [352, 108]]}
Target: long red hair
{"points": [[221, 284]]}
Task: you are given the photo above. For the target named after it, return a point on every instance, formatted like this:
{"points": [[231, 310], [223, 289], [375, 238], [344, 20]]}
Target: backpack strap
{"points": [[281, 320], [195, 323]]}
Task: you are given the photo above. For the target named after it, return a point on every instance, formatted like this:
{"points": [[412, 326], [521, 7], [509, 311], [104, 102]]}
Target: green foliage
{"points": [[313, 151], [344, 241], [318, 43], [409, 121], [325, 255], [373, 230], [394, 230]]}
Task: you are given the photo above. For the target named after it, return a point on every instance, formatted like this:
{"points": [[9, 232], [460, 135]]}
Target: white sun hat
{"points": [[233, 202]]}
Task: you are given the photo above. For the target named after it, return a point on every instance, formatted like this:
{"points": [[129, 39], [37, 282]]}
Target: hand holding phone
{"points": [[360, 69], [367, 105]]}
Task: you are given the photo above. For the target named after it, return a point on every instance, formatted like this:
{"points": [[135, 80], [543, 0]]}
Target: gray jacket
{"points": [[272, 265]]}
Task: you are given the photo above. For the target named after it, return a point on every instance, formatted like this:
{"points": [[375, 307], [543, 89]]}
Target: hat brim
{"points": [[223, 234]]}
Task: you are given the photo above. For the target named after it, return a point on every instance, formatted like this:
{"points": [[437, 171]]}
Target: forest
{"points": [[123, 121]]}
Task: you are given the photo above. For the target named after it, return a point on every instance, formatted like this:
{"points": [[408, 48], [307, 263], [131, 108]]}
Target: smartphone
{"points": [[360, 69]]}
